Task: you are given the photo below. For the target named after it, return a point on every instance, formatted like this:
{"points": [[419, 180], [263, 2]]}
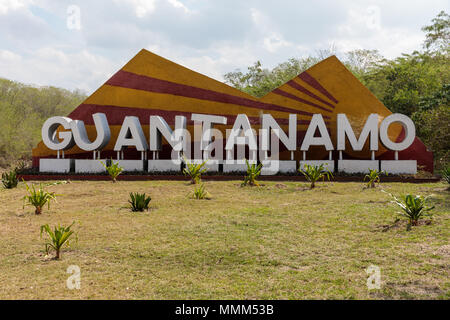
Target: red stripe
{"points": [[291, 96], [316, 85], [115, 115], [300, 88], [133, 81]]}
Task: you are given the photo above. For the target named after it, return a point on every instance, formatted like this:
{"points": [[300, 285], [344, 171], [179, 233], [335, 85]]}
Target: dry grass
{"points": [[279, 241]]}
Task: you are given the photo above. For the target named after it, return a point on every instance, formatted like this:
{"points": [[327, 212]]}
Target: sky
{"points": [[80, 44]]}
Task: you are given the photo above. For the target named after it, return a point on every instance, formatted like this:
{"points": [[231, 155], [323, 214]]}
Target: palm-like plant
{"points": [[113, 169], [194, 170], [9, 179], [139, 201], [38, 198], [201, 194], [314, 173], [446, 174], [57, 238], [413, 208], [253, 172], [373, 176]]}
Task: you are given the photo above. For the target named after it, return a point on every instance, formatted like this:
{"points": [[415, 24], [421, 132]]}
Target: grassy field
{"points": [[278, 241]]}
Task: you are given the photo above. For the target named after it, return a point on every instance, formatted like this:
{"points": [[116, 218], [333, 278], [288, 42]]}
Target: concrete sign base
{"points": [[327, 164], [164, 165], [55, 165], [131, 165], [89, 166], [399, 166], [358, 166], [272, 167], [236, 165]]}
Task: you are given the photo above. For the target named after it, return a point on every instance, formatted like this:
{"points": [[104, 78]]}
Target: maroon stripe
{"points": [[291, 96], [133, 81], [300, 88], [115, 115], [316, 85]]}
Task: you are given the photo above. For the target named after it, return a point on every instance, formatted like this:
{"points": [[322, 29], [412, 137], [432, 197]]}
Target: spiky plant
{"points": [[253, 172], [194, 170], [373, 177], [38, 198], [57, 238], [446, 174], [139, 201], [314, 173], [9, 179], [201, 194], [413, 207], [113, 170]]}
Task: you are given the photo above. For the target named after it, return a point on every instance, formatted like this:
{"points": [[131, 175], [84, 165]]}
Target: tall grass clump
{"points": [[194, 170], [38, 198], [139, 201], [9, 179], [113, 170], [253, 172], [373, 177], [314, 173], [56, 238]]}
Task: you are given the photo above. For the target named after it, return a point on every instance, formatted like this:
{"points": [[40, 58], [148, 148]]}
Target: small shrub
{"points": [[9, 179], [139, 201], [38, 198], [253, 172], [373, 176], [113, 170], [57, 238], [314, 173], [201, 194], [413, 208], [446, 174], [194, 171]]}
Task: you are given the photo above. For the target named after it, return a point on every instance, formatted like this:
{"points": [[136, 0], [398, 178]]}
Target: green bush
{"points": [[38, 198], [253, 172], [373, 176], [57, 238], [413, 208], [9, 179], [314, 173], [446, 174], [139, 201], [194, 171], [113, 170]]}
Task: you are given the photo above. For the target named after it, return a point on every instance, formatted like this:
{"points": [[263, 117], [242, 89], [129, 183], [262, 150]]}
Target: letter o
{"points": [[49, 133], [408, 126]]}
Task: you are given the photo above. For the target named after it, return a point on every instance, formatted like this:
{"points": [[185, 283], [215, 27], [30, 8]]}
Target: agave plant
{"points": [[194, 170], [373, 176], [113, 169], [38, 198], [314, 173], [253, 171], [9, 179], [413, 208], [446, 174], [201, 194], [57, 238], [139, 201]]}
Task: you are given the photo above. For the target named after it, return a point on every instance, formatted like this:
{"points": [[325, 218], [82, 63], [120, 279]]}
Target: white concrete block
{"points": [[271, 167], [236, 165], [89, 166], [358, 166], [131, 165], [164, 165], [211, 165], [327, 164], [55, 165], [399, 166]]}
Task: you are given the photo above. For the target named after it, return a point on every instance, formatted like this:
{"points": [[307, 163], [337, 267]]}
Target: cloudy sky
{"points": [[80, 43]]}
